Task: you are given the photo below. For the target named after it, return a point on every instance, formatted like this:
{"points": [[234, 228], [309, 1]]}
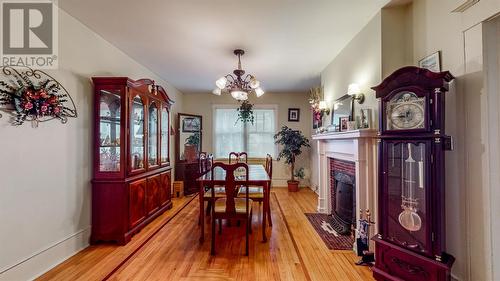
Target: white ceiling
{"points": [[190, 42]]}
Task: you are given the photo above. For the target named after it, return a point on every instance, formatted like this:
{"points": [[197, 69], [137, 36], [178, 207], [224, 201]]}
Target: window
{"points": [[256, 139]]}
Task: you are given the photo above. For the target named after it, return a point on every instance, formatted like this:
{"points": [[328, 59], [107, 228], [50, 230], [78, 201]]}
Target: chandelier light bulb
{"points": [[254, 83], [239, 95], [217, 92], [221, 83], [259, 92]]}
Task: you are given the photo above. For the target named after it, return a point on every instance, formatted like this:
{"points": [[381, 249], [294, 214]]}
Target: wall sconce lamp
{"points": [[324, 108], [354, 91]]}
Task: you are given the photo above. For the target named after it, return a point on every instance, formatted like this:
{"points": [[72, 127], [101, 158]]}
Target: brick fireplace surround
{"points": [[355, 153]]}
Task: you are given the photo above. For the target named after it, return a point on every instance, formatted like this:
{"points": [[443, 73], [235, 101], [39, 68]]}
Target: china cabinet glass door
{"points": [[164, 135], [153, 135], [109, 131], [137, 134], [406, 189]]}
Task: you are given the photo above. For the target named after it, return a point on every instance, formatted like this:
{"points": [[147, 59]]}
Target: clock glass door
{"points": [[406, 188]]}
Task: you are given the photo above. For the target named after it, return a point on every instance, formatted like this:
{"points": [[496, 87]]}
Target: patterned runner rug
{"points": [[333, 240]]}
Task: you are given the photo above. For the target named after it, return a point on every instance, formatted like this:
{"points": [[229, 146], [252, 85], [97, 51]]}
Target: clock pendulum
{"points": [[409, 217]]}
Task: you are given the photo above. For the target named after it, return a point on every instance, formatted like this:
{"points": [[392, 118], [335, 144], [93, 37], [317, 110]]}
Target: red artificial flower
{"points": [[28, 106], [44, 108], [57, 110], [42, 93]]}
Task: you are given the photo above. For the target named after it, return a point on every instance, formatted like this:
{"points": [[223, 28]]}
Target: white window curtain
{"points": [[257, 139]]}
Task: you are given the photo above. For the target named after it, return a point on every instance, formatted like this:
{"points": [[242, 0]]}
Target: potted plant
{"points": [[292, 142], [191, 147], [245, 112]]}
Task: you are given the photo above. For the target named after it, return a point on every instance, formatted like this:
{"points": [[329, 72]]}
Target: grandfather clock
{"points": [[410, 244]]}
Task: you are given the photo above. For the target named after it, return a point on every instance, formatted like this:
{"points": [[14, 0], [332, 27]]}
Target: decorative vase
{"points": [[293, 186], [190, 152]]}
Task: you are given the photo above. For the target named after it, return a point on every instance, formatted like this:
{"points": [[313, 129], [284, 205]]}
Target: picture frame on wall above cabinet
{"points": [[293, 114], [190, 125], [431, 62]]}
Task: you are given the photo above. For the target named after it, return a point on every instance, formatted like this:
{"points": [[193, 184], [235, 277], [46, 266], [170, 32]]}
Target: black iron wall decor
{"points": [[33, 95]]}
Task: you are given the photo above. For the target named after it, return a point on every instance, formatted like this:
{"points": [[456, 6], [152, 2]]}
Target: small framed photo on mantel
{"points": [[431, 62], [293, 114]]}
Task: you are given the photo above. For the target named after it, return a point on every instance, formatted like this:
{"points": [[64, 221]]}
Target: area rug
{"points": [[333, 240]]}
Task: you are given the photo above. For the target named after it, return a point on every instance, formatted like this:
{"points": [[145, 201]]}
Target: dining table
{"points": [[257, 176]]}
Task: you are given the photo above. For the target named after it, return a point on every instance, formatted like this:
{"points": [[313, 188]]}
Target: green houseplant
{"points": [[292, 142], [245, 112]]}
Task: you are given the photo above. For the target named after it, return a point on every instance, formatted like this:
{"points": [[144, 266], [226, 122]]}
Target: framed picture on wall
{"points": [[190, 124], [431, 62], [293, 114]]}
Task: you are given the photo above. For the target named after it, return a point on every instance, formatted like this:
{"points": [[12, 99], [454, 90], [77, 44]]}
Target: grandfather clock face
{"points": [[405, 111]]}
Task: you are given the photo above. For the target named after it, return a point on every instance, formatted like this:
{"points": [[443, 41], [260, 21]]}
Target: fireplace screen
{"points": [[343, 202]]}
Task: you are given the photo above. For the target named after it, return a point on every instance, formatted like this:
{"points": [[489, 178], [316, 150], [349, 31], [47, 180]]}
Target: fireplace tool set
{"points": [[363, 240]]}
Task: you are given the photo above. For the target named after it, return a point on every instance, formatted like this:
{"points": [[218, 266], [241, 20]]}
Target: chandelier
{"points": [[238, 86]]}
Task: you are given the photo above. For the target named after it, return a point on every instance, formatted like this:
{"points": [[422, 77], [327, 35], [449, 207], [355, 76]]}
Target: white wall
{"points": [[359, 62], [45, 172], [202, 104]]}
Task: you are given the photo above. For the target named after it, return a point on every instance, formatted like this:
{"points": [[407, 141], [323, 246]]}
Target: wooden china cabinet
{"points": [[410, 244], [132, 172]]}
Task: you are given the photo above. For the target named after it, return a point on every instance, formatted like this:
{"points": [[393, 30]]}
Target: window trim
{"points": [[274, 107]]}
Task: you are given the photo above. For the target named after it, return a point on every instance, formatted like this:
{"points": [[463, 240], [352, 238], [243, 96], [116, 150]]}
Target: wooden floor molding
{"points": [[293, 239], [168, 249], [149, 238]]}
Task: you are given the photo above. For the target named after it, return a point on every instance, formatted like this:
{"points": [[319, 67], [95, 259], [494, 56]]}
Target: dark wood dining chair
{"points": [[256, 193], [206, 163], [231, 206], [237, 157]]}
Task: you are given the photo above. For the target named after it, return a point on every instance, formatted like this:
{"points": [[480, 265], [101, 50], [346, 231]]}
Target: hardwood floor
{"points": [[172, 252]]}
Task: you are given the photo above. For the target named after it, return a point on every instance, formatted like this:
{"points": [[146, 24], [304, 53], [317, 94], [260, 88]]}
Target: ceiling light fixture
{"points": [[238, 86]]}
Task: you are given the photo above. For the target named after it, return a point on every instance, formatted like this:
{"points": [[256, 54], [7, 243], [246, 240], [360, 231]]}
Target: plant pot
{"points": [[190, 152], [293, 186]]}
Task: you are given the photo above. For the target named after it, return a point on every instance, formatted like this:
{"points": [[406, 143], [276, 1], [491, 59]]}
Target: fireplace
{"points": [[353, 154], [343, 195]]}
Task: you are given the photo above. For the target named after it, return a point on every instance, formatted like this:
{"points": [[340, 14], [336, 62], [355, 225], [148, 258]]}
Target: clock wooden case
{"points": [[131, 173], [410, 244]]}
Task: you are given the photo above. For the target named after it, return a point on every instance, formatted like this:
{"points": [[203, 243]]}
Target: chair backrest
{"points": [[202, 162], [206, 162], [238, 157], [243, 156], [269, 165], [231, 183]]}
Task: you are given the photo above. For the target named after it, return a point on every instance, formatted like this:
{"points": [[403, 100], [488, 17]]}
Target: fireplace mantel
{"points": [[358, 146], [355, 134]]}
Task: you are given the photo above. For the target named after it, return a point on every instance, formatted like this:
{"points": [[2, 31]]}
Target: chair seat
{"points": [[253, 192], [239, 205], [219, 192]]}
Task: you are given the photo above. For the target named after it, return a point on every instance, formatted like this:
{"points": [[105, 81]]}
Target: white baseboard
{"points": [[39, 263]]}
